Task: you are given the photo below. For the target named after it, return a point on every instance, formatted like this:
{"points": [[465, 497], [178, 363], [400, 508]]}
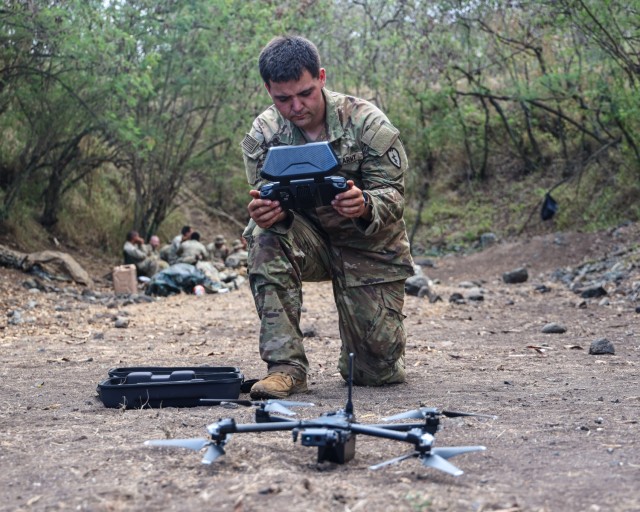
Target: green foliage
{"points": [[418, 502], [496, 102], [102, 202]]}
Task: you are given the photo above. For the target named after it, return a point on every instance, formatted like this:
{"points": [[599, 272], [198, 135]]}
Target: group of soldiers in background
{"points": [[213, 259]]}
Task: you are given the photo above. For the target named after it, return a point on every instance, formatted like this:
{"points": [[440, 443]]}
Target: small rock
{"points": [[413, 285], [426, 291], [309, 332], [475, 295], [519, 275], [488, 239], [601, 346], [456, 298], [553, 328], [122, 322], [424, 262], [593, 292]]}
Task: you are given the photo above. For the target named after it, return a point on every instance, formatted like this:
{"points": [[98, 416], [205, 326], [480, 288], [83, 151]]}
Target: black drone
{"points": [[334, 433]]}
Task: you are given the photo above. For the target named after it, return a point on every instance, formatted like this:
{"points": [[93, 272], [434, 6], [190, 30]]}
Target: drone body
{"points": [[334, 433]]}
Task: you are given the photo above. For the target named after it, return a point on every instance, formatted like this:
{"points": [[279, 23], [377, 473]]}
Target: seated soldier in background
{"points": [[218, 250], [135, 253], [185, 234], [169, 252], [192, 251], [153, 247], [238, 256]]}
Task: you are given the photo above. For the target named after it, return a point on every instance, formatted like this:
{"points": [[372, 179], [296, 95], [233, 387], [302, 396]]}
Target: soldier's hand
{"points": [[265, 212], [351, 203]]}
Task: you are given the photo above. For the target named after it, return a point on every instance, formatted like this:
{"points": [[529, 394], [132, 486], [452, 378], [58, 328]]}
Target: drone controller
{"points": [[300, 176]]}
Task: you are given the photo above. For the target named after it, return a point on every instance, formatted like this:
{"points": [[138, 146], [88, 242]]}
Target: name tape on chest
{"points": [[354, 157]]}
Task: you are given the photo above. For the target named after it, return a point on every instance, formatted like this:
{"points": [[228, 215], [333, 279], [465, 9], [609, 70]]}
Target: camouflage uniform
{"points": [[367, 261], [147, 264], [218, 250], [192, 251]]}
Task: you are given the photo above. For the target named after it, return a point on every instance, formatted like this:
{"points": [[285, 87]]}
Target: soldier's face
{"points": [[300, 101]]}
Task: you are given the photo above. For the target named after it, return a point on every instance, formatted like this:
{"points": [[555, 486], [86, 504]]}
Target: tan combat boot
{"points": [[278, 385]]}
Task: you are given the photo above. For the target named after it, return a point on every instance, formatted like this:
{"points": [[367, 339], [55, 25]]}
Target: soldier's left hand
{"points": [[351, 203]]}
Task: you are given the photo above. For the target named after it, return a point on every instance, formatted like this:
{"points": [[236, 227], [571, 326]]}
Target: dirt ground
{"points": [[566, 437]]}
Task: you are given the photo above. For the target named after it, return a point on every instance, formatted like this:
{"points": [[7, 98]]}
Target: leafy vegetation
{"points": [[109, 109]]}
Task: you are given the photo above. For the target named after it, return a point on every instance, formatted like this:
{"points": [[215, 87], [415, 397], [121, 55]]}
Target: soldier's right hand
{"points": [[265, 212]]}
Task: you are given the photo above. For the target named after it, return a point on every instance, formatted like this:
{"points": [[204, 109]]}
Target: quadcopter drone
{"points": [[334, 433]]}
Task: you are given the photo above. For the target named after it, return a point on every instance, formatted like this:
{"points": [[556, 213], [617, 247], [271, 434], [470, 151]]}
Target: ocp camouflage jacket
{"points": [[371, 155]]}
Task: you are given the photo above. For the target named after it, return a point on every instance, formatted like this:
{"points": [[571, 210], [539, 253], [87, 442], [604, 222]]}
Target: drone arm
{"points": [[400, 427], [383, 432], [268, 427]]}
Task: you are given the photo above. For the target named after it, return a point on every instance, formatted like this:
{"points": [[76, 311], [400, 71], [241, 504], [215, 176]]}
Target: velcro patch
{"points": [[380, 137]]}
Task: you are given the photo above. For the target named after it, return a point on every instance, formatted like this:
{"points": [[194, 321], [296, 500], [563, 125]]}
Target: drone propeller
{"points": [[190, 444], [277, 406], [394, 460], [436, 458], [423, 412], [437, 462], [214, 450]]}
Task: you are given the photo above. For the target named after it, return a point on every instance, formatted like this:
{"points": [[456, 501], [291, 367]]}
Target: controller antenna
{"points": [[349, 407]]}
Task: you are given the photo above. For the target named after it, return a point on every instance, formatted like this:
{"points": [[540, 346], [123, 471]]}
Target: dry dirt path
{"points": [[566, 437]]}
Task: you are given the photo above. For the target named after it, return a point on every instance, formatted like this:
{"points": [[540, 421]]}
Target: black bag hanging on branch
{"points": [[549, 207]]}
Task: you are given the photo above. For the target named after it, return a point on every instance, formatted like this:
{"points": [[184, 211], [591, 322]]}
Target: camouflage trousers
{"points": [[151, 266], [370, 316]]}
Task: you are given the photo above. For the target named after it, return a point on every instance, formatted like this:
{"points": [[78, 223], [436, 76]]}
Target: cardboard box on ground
{"points": [[125, 279]]}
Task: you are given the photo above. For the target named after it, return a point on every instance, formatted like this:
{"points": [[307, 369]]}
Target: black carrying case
{"points": [[179, 386]]}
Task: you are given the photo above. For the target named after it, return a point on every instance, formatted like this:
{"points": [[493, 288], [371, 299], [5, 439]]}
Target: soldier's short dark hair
{"points": [[131, 235], [185, 230], [285, 58], [195, 236]]}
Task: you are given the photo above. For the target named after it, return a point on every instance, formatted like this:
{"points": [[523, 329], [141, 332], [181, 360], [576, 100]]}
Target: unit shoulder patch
{"points": [[394, 157]]}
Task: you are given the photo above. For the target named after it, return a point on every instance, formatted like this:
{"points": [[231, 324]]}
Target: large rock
{"points": [[58, 265]]}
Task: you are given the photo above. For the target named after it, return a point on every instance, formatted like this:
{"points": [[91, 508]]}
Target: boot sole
{"points": [[263, 394]]}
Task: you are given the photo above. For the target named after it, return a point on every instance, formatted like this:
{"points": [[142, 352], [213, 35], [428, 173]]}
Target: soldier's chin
{"points": [[300, 121]]}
